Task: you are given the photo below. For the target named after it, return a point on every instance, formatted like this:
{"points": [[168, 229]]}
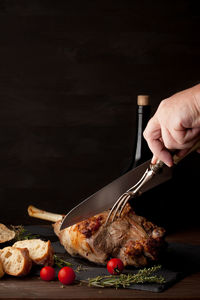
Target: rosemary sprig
{"points": [[143, 276], [59, 262], [22, 234]]}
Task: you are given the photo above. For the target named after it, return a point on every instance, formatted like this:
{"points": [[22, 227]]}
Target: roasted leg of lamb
{"points": [[131, 238]]}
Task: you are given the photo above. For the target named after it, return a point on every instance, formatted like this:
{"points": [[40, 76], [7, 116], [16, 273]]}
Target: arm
{"points": [[175, 125]]}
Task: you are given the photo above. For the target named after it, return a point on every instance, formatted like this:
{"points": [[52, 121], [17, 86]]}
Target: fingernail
{"points": [[169, 164]]}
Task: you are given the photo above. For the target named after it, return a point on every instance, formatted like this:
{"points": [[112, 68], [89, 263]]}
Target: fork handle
{"points": [[196, 146]]}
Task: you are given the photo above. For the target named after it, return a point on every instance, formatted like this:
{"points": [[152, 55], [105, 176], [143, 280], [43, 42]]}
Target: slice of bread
{"points": [[1, 269], [40, 252], [6, 234], [15, 261]]}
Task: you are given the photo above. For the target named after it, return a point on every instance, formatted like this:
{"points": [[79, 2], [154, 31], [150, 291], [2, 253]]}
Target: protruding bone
{"points": [[44, 215]]}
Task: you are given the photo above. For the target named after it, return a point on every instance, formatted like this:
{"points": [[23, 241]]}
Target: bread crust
{"points": [[1, 269], [6, 234], [46, 259], [24, 253]]}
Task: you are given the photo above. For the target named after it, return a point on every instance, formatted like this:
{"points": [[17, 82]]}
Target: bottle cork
{"points": [[143, 100]]}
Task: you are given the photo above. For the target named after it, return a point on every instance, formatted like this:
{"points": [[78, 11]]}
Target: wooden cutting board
{"points": [[33, 288]]}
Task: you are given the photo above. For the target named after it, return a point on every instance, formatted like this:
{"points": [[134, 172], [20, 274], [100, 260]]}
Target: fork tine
{"points": [[131, 192], [113, 208], [119, 199], [124, 204], [124, 198]]}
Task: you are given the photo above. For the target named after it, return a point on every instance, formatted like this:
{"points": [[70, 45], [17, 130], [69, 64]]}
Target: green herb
{"points": [[22, 234], [80, 268], [143, 276], [59, 262]]}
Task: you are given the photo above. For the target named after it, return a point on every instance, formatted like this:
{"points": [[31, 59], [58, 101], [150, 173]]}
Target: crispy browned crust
{"points": [[76, 243], [90, 226], [73, 240]]}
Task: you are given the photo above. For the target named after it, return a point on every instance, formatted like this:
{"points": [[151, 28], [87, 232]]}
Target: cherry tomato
{"points": [[66, 275], [115, 266], [47, 273]]}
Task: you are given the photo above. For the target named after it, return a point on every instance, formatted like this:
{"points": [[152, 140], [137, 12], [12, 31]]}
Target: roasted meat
{"points": [[131, 238]]}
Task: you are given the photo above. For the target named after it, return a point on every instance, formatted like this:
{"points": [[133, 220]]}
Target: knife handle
{"points": [[176, 158]]}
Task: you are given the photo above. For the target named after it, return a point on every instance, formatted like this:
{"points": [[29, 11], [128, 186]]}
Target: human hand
{"points": [[175, 125]]}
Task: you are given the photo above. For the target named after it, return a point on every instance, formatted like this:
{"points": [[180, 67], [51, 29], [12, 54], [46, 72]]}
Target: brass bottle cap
{"points": [[143, 100]]}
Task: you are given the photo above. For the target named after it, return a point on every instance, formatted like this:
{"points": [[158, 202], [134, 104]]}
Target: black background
{"points": [[70, 73]]}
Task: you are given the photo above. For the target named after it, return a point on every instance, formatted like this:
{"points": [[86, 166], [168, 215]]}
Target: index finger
{"points": [[153, 136]]}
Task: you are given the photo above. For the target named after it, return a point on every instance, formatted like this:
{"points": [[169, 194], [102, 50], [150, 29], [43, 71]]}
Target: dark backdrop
{"points": [[70, 73]]}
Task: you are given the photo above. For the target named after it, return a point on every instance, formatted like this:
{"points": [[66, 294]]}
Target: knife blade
{"points": [[108, 195]]}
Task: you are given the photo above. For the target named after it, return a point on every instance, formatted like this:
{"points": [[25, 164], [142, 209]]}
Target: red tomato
{"points": [[66, 275], [47, 273], [115, 266]]}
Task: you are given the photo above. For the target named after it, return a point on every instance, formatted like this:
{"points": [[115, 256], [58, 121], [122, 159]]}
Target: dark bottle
{"points": [[141, 151]]}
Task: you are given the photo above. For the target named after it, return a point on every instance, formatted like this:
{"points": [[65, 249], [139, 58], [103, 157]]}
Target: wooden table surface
{"points": [[34, 288]]}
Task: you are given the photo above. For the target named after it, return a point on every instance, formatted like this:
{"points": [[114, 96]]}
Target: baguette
{"points": [[1, 269], [15, 261], [40, 252], [6, 234]]}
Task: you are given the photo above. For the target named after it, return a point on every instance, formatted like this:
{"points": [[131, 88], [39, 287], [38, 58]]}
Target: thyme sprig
{"points": [[59, 262], [125, 280], [80, 268], [22, 234]]}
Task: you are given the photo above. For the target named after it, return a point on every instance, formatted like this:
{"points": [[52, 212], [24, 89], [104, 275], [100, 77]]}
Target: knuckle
{"points": [[162, 104], [145, 134], [180, 141], [169, 144], [179, 138]]}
